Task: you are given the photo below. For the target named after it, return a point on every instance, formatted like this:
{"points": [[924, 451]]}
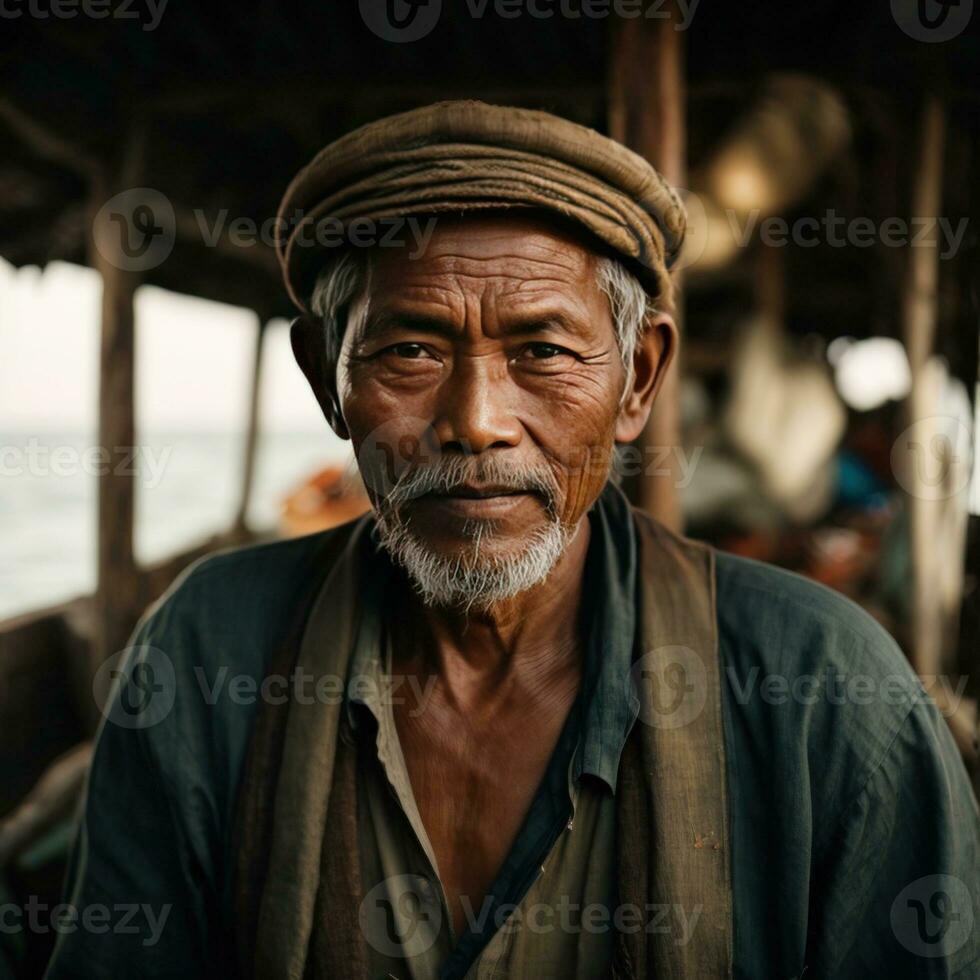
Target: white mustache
{"points": [[451, 473]]}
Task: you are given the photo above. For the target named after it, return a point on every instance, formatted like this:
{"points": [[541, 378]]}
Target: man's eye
{"points": [[406, 349], [541, 351]]}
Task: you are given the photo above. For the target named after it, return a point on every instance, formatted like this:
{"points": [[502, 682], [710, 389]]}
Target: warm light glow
{"points": [[742, 182], [870, 372], [710, 241]]}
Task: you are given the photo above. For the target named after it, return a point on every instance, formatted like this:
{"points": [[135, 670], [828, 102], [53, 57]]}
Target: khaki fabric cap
{"points": [[465, 156]]}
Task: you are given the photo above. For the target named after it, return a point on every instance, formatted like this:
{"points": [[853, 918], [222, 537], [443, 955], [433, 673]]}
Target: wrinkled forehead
{"points": [[496, 274], [520, 257], [500, 238]]}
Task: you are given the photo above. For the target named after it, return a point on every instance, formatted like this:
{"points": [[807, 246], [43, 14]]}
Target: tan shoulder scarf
{"points": [[298, 886]]}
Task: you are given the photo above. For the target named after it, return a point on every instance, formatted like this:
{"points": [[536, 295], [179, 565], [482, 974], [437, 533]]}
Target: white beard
{"points": [[474, 578]]}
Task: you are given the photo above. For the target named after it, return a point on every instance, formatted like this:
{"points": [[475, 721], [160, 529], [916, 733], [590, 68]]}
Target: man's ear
{"points": [[306, 334], [654, 353]]}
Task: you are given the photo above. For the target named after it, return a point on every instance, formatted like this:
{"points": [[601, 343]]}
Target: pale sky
{"points": [[194, 359]]}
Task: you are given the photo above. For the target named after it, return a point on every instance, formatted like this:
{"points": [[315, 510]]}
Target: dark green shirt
{"points": [[855, 842], [580, 780]]}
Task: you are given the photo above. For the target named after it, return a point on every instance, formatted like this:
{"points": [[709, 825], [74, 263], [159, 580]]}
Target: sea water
{"points": [[188, 487]]}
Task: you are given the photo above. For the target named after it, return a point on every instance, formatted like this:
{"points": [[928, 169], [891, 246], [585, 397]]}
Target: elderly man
{"points": [[505, 725]]}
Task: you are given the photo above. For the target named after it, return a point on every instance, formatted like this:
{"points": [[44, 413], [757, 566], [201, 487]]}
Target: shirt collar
{"points": [[369, 659], [608, 705]]}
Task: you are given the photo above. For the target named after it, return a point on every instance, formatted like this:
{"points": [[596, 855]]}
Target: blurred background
{"points": [[823, 415]]}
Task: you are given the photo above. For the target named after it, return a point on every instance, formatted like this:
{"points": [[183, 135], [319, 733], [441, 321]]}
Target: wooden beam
{"points": [[46, 143], [646, 112]]}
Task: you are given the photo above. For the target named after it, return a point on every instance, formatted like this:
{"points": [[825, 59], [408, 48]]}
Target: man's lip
{"points": [[480, 493], [499, 503]]}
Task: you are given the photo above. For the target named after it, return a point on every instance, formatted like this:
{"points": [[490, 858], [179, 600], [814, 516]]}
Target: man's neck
{"points": [[534, 634]]}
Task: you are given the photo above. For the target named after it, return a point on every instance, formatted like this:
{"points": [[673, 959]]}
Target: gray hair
{"points": [[630, 305]]}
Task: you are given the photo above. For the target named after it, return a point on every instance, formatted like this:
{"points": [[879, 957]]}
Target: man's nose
{"points": [[475, 408]]}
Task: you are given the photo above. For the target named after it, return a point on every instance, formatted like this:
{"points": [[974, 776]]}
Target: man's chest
{"points": [[473, 785]]}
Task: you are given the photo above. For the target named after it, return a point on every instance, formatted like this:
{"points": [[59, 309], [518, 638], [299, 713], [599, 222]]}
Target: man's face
{"points": [[480, 384]]}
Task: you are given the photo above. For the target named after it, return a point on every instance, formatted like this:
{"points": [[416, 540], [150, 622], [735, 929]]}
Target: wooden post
{"points": [[114, 234], [646, 113], [934, 622], [117, 586], [252, 432], [919, 324]]}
